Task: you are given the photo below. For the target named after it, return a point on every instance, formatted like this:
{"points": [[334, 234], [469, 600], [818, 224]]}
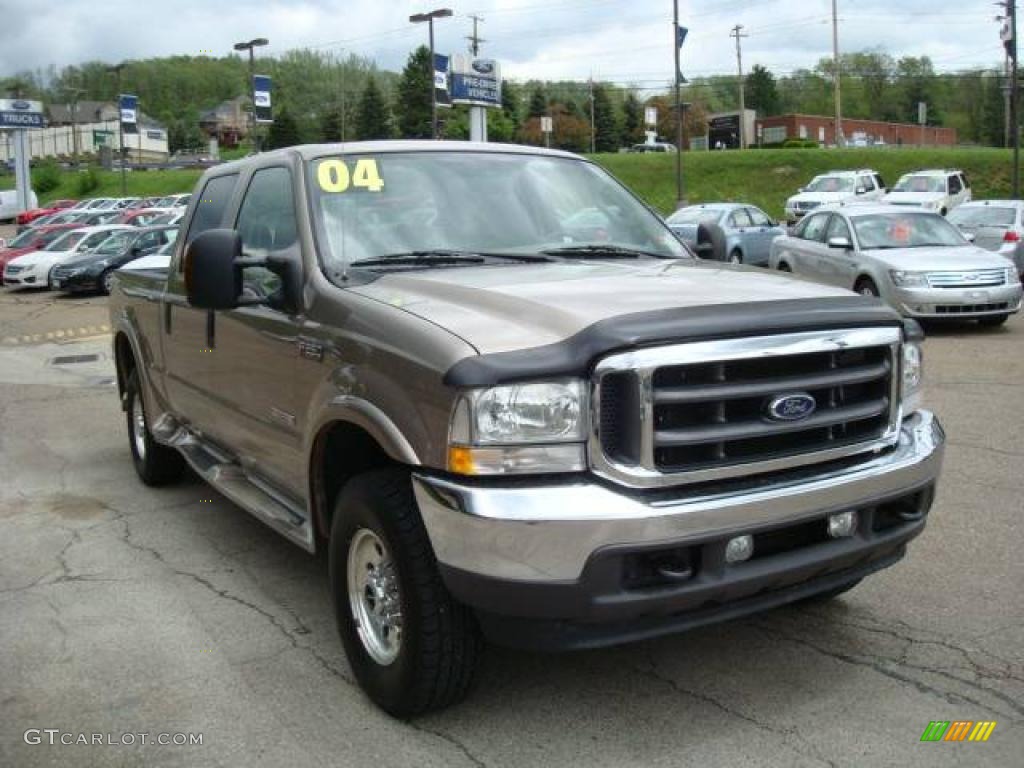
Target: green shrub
{"points": [[86, 182], [46, 177]]}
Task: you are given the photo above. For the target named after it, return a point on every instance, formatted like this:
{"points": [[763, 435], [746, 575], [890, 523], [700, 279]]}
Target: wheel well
{"points": [[340, 452], [124, 361], [863, 279]]}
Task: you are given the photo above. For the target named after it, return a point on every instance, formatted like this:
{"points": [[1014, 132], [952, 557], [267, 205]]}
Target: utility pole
{"points": [[73, 111], [1011, 13], [737, 33], [680, 189], [475, 39], [836, 74], [116, 69]]}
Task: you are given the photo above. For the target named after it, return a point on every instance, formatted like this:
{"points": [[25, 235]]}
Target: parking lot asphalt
{"points": [[129, 610]]}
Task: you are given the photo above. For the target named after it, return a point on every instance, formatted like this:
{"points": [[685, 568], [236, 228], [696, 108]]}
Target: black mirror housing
{"points": [[213, 278]]}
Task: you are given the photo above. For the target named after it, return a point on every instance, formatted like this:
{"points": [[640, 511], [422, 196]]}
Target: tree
{"points": [[330, 125], [917, 81], [632, 120], [415, 95], [510, 101], [372, 118], [538, 103], [284, 131], [606, 132], [761, 93]]}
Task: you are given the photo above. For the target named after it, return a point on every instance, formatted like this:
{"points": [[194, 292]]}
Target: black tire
{"points": [[992, 321], [155, 464], [736, 257], [440, 644], [824, 597], [866, 287], [942, 212], [104, 281]]}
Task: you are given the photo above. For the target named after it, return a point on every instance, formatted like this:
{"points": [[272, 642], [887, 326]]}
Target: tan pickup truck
{"points": [[512, 405]]}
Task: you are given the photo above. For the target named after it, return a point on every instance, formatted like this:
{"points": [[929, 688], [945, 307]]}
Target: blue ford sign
{"points": [[795, 406], [475, 81], [21, 104], [483, 66]]}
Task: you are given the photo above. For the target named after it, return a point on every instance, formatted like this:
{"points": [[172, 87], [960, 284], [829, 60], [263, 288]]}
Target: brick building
{"points": [[775, 130]]}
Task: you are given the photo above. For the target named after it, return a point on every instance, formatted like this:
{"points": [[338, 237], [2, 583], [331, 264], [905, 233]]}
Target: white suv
{"points": [[834, 187], [933, 190]]}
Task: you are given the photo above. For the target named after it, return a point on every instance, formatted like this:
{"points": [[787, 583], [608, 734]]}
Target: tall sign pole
{"points": [[1011, 8], [676, 45], [417, 18], [835, 67]]}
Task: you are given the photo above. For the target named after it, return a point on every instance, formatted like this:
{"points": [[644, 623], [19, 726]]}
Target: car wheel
{"points": [[784, 267], [155, 464], [831, 594], [736, 257], [106, 281], [992, 321], [942, 211], [411, 646], [49, 280], [866, 287]]}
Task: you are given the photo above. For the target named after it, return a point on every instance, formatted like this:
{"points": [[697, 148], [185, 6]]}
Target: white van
{"points": [[9, 204]]}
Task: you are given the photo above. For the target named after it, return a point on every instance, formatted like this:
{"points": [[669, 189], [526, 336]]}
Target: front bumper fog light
{"points": [[739, 549], [842, 524]]}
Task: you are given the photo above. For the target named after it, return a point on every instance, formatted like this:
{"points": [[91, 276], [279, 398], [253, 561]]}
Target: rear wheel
{"points": [[866, 287], [411, 646], [736, 257], [992, 321], [155, 464]]}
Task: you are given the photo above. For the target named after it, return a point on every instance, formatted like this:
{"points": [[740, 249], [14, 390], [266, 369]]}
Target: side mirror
{"points": [[840, 242], [213, 279]]}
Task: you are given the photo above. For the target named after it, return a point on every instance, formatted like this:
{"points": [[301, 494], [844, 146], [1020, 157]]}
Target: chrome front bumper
{"points": [[923, 302], [546, 533]]}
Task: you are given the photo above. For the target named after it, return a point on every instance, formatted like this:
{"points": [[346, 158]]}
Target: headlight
{"points": [[1012, 275], [912, 374], [519, 428], [906, 279]]}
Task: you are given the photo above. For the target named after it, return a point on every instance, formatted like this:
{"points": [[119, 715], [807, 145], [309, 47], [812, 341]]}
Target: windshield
{"points": [[695, 216], [115, 243], [93, 240], [905, 230], [920, 184], [830, 184], [375, 206], [66, 242], [982, 216], [25, 238]]}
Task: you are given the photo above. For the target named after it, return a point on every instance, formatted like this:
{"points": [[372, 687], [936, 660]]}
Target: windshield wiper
{"points": [[438, 257], [601, 251]]}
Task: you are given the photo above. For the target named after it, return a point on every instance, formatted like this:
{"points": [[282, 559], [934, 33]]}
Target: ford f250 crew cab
{"points": [[512, 405]]}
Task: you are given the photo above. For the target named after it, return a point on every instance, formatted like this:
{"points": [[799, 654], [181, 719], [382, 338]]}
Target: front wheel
{"points": [[866, 287], [992, 321], [107, 281], [411, 646], [736, 257], [784, 267], [155, 464]]}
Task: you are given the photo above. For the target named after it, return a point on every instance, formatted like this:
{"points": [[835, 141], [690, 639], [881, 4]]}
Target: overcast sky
{"points": [[625, 41]]}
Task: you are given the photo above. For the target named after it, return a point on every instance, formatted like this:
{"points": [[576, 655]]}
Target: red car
{"points": [[25, 217], [32, 240], [139, 217]]}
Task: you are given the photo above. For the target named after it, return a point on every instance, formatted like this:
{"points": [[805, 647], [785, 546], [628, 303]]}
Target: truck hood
{"points": [[504, 308], [913, 198], [941, 259]]}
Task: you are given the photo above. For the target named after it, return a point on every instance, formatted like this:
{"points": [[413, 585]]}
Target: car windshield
{"points": [[920, 184], [983, 216], [93, 240], [115, 243], [25, 238], [695, 216], [830, 184], [377, 206], [66, 242], [905, 230]]}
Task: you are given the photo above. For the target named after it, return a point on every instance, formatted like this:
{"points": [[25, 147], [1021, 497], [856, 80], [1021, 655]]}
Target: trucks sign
{"points": [[21, 113]]}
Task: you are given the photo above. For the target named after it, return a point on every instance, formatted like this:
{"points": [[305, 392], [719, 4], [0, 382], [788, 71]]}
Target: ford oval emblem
{"points": [[19, 104], [483, 66], [791, 407]]}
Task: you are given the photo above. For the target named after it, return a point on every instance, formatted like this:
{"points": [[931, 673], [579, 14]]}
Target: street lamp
{"points": [[250, 46], [417, 18], [116, 69]]}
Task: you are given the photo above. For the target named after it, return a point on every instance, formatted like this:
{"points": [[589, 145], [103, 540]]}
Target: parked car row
{"points": [[113, 209]]}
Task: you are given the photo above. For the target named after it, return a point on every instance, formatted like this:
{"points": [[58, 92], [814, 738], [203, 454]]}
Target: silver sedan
{"points": [[916, 260], [746, 232]]}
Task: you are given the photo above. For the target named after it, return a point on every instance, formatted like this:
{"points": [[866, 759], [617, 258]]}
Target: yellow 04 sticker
{"points": [[334, 175]]}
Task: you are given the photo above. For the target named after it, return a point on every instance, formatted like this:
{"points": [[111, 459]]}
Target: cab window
{"points": [[209, 211], [266, 223]]}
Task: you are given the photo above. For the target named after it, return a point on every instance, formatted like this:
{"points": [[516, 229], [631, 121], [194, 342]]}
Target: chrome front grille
{"points": [[700, 411], [975, 278]]}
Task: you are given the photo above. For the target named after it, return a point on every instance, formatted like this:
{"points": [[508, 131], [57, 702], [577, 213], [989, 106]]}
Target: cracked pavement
{"points": [[128, 609]]}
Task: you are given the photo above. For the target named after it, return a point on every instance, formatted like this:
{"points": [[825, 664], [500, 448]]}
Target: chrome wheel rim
{"points": [[138, 426], [374, 597]]}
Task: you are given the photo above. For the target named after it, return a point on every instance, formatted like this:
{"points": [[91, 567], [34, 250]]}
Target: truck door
{"points": [[188, 334]]}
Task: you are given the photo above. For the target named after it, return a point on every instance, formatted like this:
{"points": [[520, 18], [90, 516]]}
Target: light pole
{"points": [[116, 69], [439, 13], [250, 45], [680, 189]]}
